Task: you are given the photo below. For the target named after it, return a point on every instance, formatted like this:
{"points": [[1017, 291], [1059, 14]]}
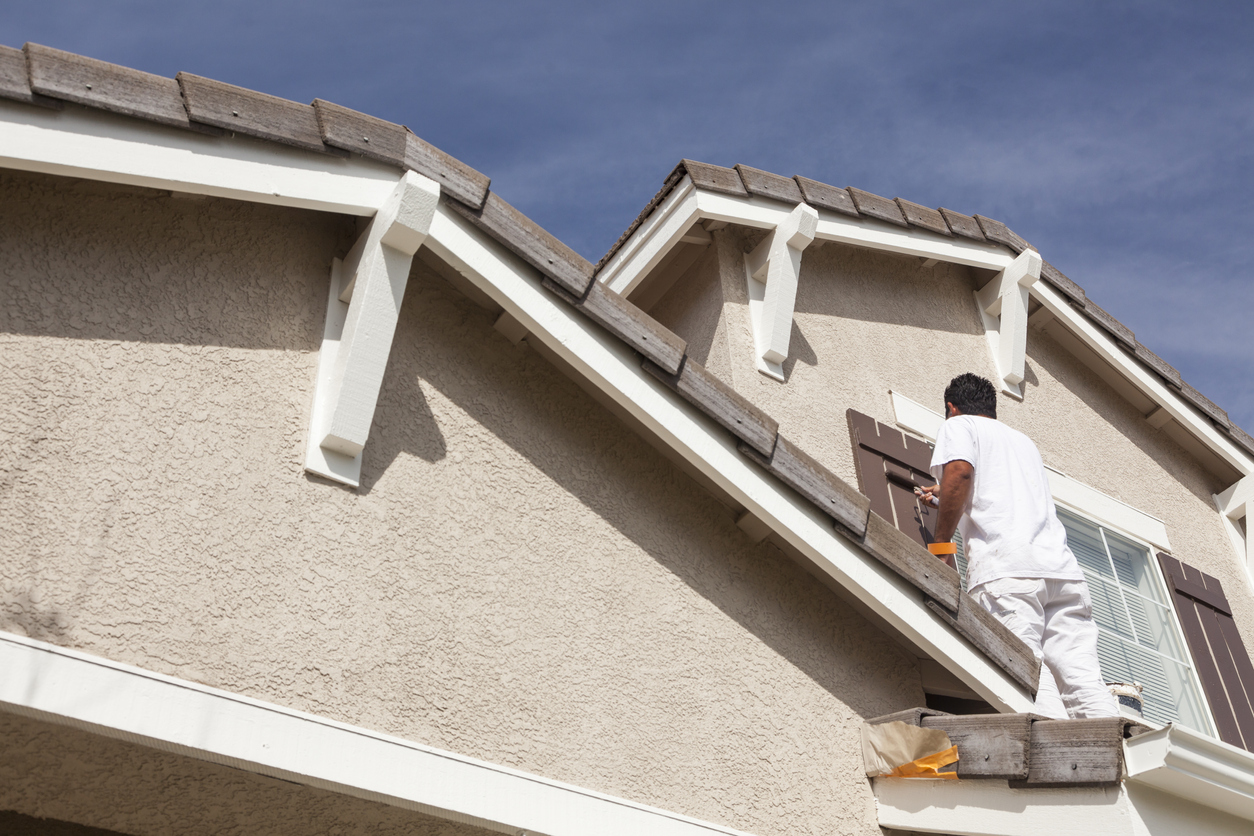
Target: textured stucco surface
{"points": [[863, 320], [519, 579], [56, 772]]}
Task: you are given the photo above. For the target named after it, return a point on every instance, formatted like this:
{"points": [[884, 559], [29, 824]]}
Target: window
{"points": [[1138, 638]]}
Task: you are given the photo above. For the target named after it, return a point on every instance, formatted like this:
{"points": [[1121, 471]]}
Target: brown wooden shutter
{"points": [[1222, 662], [890, 466]]}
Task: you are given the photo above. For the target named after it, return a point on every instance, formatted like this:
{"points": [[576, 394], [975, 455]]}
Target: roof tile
{"points": [[923, 217], [960, 224], [530, 242], [15, 81], [766, 184], [361, 133], [822, 196], [715, 178], [1068, 288], [1206, 405], [1241, 437], [456, 179], [1164, 369], [874, 206], [1114, 327], [999, 233], [251, 113], [99, 84], [668, 185], [722, 403]]}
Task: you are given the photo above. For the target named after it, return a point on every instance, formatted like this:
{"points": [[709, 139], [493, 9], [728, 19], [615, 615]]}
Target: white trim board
{"points": [[87, 143], [127, 703], [992, 808], [1071, 493], [1149, 383], [686, 205], [614, 368]]}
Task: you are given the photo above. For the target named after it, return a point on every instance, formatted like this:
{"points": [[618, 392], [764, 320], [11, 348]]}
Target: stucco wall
{"points": [[519, 579], [869, 322]]}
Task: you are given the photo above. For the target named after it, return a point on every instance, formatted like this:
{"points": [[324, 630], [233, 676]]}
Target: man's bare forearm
{"points": [[955, 490]]}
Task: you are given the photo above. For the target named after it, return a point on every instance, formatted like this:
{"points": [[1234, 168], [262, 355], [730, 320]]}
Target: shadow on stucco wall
{"points": [[65, 276], [519, 397]]}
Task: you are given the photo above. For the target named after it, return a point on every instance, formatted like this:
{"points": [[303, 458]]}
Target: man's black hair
{"points": [[972, 395]]}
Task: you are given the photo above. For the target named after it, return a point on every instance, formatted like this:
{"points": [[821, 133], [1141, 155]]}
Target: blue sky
{"points": [[1116, 137]]}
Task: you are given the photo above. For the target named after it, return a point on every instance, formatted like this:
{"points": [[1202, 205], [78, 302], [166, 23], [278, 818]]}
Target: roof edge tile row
{"points": [[745, 181]]}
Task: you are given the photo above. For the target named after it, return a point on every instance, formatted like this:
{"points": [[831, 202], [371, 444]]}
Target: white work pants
{"points": [[1055, 619]]}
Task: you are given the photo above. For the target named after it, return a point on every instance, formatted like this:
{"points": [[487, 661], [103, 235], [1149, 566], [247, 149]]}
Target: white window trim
{"points": [[122, 702]]}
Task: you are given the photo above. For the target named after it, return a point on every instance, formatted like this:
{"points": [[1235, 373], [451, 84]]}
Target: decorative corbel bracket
{"points": [[1003, 305], [362, 310], [1235, 503], [772, 271]]}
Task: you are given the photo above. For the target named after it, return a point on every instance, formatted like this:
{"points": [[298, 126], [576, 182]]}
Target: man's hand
{"points": [[929, 494]]}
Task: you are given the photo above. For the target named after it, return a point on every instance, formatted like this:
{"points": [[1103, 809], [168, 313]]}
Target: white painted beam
{"points": [[126, 703], [1003, 304], [611, 366], [859, 232], [663, 230], [773, 271], [93, 145], [357, 341]]}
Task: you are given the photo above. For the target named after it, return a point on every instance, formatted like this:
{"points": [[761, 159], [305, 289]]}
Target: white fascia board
{"points": [[1141, 377], [616, 370], [80, 142], [656, 237], [991, 808], [865, 232], [1193, 766], [1088, 501], [119, 701]]}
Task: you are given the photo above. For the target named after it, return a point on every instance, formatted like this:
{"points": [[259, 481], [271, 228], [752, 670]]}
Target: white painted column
{"points": [[357, 339], [773, 271], [1003, 304]]}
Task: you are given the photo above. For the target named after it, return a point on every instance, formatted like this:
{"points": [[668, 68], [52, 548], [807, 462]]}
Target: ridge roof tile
{"points": [[15, 79], [99, 84], [530, 242], [766, 184], [361, 133], [1114, 327], [822, 196], [1206, 405], [245, 111], [960, 224], [715, 178], [874, 206], [1068, 288], [923, 217], [999, 233], [456, 179]]}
